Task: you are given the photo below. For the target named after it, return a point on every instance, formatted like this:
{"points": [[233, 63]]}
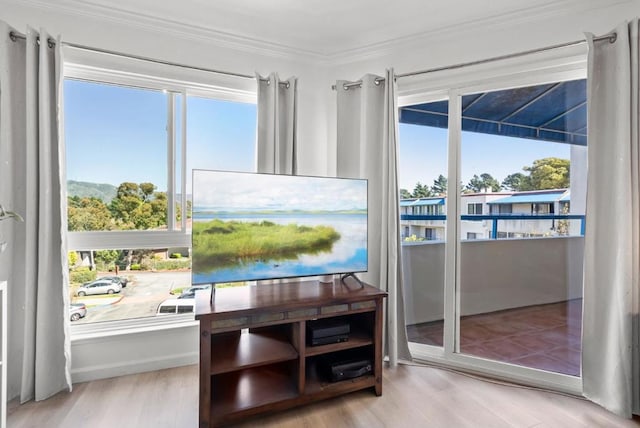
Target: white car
{"points": [[176, 306], [99, 287], [77, 311]]}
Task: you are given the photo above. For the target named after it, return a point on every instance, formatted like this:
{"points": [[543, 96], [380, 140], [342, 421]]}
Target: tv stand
{"points": [[352, 275], [254, 355]]}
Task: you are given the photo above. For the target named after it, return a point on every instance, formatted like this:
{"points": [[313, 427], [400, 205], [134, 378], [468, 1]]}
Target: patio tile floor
{"points": [[546, 337]]}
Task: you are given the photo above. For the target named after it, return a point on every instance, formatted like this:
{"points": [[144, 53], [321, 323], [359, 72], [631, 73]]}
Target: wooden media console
{"points": [[254, 355]]}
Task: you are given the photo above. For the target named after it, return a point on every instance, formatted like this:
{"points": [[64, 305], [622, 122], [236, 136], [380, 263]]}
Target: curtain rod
{"points": [[51, 43], [611, 37]]}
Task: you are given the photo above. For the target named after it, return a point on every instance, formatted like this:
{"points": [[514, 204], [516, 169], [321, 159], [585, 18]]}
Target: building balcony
{"points": [[520, 299]]}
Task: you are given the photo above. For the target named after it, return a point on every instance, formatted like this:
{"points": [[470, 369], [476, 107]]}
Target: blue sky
{"points": [[423, 154], [115, 134]]}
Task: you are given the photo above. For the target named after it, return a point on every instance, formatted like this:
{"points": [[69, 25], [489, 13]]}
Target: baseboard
{"points": [[123, 368]]}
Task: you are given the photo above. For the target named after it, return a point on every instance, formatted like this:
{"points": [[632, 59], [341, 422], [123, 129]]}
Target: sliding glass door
{"points": [[521, 225], [423, 181], [500, 290]]}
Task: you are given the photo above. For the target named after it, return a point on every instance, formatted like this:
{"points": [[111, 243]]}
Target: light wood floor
{"points": [[412, 397]]}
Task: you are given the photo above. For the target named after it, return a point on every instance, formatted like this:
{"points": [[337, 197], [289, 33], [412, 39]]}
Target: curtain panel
{"points": [[610, 354], [367, 147], [32, 183], [277, 129]]}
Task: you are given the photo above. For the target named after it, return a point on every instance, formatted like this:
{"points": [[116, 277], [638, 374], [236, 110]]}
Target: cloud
{"points": [[247, 191]]}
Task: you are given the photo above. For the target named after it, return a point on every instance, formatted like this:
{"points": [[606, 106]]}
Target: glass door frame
{"points": [[535, 69]]}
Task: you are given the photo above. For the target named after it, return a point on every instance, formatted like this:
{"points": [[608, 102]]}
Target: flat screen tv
{"points": [[249, 226]]}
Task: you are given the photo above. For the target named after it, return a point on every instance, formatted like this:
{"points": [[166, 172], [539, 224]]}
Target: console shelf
{"points": [[234, 351], [357, 338], [254, 356]]}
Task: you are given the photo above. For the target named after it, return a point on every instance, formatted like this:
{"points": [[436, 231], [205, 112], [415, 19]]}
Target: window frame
{"points": [[96, 67]]}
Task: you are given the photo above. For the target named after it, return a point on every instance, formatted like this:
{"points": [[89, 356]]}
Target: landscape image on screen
{"points": [[260, 226]]}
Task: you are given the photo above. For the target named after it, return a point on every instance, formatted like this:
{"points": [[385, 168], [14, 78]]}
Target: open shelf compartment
{"points": [[357, 338], [243, 390], [246, 349], [360, 334], [318, 383]]}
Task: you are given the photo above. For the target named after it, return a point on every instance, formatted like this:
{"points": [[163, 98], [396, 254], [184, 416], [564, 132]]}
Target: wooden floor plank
{"points": [[413, 396]]}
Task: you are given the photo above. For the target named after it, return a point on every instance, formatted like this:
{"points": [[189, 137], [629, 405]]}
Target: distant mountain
{"points": [[83, 189]]}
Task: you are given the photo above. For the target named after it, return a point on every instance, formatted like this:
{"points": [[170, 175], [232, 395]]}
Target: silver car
{"points": [[99, 287], [77, 311]]}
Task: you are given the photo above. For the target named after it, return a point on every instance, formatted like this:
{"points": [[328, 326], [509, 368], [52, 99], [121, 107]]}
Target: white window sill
{"points": [[85, 332]]}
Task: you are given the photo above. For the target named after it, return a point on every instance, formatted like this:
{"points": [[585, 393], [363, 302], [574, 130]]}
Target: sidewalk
{"points": [[91, 301]]}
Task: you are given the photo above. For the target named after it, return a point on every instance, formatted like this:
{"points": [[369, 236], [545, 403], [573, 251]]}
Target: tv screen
{"points": [[249, 226]]}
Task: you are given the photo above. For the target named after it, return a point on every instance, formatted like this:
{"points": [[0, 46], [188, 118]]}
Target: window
{"points": [[429, 235], [474, 209], [131, 144], [501, 209]]}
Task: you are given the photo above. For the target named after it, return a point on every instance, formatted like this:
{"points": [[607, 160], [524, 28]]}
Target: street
{"points": [[141, 297]]}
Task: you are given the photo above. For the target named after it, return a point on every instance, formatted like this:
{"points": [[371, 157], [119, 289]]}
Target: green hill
{"points": [[83, 189]]}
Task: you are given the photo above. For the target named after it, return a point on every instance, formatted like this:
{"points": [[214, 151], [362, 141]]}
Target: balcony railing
{"points": [[495, 218]]}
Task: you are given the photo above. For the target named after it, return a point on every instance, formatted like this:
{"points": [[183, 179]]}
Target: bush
{"points": [[176, 256], [82, 274], [172, 264], [135, 266], [146, 264]]}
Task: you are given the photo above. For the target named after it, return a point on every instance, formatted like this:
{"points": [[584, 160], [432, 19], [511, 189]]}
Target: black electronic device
{"points": [[337, 370], [325, 331], [329, 339]]}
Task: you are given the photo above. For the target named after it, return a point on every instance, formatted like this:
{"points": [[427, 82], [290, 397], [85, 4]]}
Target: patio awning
{"points": [[554, 112], [531, 198]]}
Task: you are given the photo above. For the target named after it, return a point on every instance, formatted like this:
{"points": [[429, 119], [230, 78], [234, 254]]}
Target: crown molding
{"points": [[508, 19], [147, 22], [165, 26]]}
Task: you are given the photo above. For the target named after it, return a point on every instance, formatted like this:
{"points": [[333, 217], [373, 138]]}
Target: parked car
{"points": [[119, 279], [99, 286], [190, 292], [176, 306], [77, 311]]}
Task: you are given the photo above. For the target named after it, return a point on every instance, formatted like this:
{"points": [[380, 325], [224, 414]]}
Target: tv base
{"points": [[213, 292], [325, 279], [352, 275]]}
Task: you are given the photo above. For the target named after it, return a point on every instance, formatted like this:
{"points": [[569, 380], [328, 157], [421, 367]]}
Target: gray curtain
{"points": [[277, 115], [32, 183], [367, 144], [610, 366]]}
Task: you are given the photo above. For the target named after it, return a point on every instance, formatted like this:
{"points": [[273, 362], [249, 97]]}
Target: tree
{"points": [[85, 214], [439, 185], [485, 181], [516, 182], [104, 259], [72, 258], [125, 205], [421, 191], [549, 173], [146, 191], [405, 194], [139, 206]]}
